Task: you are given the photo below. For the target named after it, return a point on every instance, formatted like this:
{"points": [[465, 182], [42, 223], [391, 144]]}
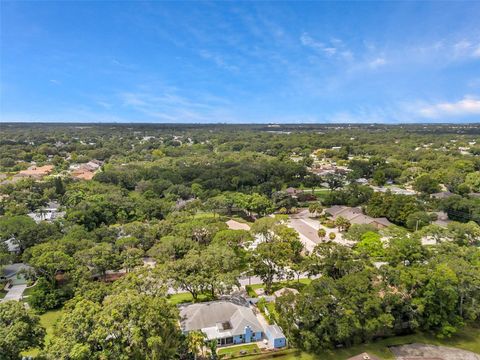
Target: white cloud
{"points": [[334, 48], [169, 106], [466, 49], [378, 62], [466, 107], [218, 60], [56, 82], [476, 52]]}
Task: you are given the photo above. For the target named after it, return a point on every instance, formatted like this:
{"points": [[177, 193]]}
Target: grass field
{"points": [[48, 321], [181, 298], [235, 350], [28, 291], [467, 339], [278, 285]]}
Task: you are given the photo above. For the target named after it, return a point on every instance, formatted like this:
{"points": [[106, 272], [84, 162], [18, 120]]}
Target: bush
{"points": [[332, 236], [329, 223], [45, 297]]}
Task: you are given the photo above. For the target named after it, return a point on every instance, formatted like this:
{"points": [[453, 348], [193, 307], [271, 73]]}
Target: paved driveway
{"points": [[15, 293], [307, 229]]}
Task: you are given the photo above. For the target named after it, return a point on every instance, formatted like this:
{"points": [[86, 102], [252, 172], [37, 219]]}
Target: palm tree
{"points": [[321, 233], [195, 342], [213, 350]]}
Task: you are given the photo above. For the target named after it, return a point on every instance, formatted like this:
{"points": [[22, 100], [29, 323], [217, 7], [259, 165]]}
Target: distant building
{"points": [[394, 190], [442, 195], [85, 171], [224, 321], [442, 219], [293, 192], [355, 215], [47, 213], [12, 246], [34, 172], [285, 290]]}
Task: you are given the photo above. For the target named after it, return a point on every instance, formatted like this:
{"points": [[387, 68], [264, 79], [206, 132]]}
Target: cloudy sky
{"points": [[240, 62]]}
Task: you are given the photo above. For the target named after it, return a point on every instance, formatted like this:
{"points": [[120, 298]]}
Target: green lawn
{"points": [[2, 294], [181, 298], [278, 285], [235, 350], [467, 339], [48, 321], [28, 291]]}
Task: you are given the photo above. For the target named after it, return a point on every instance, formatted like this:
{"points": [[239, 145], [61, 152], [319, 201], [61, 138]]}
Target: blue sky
{"points": [[240, 62]]}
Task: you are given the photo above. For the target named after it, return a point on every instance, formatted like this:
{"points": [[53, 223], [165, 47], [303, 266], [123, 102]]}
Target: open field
{"points": [[278, 285], [467, 339], [48, 321]]}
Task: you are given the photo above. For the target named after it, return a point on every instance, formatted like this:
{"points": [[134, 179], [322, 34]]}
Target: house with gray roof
{"points": [[224, 321], [442, 195], [355, 215]]}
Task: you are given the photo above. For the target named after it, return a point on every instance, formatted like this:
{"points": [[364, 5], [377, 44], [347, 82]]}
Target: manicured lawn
{"points": [[48, 321], [467, 339], [28, 291], [235, 350], [181, 298], [278, 285], [250, 291]]}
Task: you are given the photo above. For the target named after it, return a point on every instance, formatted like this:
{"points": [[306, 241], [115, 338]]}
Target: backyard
{"points": [[48, 321], [234, 351], [466, 339]]}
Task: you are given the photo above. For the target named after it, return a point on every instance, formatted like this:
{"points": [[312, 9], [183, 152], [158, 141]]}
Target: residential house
{"points": [[442, 195], [224, 321], [355, 215], [362, 181], [293, 192], [47, 213], [12, 246], [85, 171], [34, 172], [442, 219], [275, 336], [284, 291]]}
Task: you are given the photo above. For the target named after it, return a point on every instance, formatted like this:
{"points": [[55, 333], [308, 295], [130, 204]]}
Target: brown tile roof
{"points": [[37, 171], [83, 174]]}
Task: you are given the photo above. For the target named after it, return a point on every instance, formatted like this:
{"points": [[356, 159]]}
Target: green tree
{"points": [[195, 342], [19, 330], [342, 223], [321, 233], [48, 259], [333, 260], [99, 259], [269, 261], [472, 180], [379, 177], [125, 326], [426, 184], [370, 245], [417, 220], [171, 248]]}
